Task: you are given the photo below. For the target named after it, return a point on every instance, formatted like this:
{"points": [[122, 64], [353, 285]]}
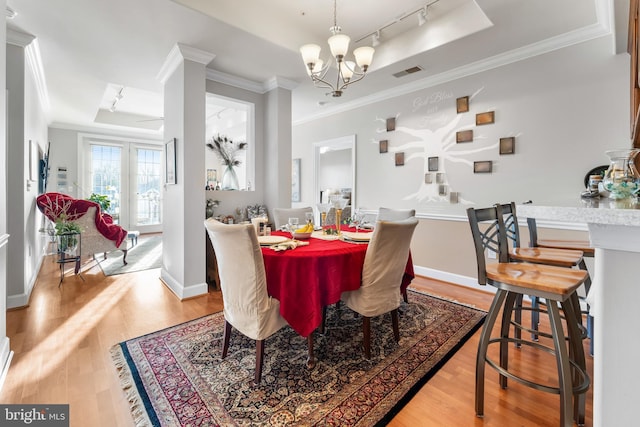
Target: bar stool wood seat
{"points": [[557, 285]]}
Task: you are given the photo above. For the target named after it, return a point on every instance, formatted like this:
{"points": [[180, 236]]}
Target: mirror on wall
{"points": [[233, 120], [335, 169]]}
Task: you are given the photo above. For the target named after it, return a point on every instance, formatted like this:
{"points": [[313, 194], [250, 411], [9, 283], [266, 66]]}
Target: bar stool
{"points": [[512, 280], [581, 245], [560, 257]]}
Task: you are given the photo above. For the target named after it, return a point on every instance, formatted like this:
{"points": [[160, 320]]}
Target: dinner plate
{"points": [[271, 240], [357, 237]]}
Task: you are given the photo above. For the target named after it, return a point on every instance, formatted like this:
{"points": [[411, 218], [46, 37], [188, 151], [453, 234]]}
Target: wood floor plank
{"points": [[62, 341]]}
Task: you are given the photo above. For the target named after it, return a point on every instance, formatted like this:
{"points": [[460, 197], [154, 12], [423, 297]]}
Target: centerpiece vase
{"points": [[621, 179], [230, 179]]}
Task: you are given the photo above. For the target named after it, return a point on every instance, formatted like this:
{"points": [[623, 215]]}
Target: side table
{"points": [[69, 245]]}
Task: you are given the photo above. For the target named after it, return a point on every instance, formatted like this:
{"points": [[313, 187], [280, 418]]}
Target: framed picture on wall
{"points": [[170, 159], [485, 118], [462, 104], [464, 135], [507, 145], [484, 166], [432, 164], [295, 180], [384, 145], [400, 159]]}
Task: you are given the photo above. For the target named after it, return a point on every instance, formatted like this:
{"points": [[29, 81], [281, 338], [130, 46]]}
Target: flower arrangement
{"points": [[226, 149]]}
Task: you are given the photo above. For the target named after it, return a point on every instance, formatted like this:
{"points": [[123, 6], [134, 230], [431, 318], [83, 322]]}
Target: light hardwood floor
{"points": [[62, 341]]}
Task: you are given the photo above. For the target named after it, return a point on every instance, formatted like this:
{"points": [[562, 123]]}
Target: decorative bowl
{"points": [[300, 236]]}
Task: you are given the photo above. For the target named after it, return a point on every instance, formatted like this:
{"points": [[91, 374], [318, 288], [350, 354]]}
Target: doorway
{"points": [[335, 167], [130, 175]]}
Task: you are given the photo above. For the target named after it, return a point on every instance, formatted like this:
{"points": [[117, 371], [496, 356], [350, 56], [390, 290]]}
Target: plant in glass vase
{"points": [[227, 151], [66, 230]]}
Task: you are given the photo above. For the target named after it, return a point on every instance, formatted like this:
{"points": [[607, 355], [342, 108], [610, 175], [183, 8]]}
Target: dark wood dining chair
{"points": [[512, 280], [247, 305], [382, 272]]}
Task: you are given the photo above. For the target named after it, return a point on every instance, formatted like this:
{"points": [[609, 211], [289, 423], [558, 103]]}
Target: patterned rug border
{"points": [[142, 409]]}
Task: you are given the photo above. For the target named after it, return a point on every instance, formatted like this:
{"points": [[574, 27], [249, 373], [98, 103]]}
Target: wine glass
{"points": [[309, 217], [356, 219], [293, 224]]}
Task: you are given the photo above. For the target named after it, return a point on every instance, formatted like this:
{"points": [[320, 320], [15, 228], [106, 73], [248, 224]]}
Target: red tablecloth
{"points": [[308, 278]]}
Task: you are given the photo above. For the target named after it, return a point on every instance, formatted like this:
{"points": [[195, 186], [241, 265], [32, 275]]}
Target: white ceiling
{"points": [[90, 49]]}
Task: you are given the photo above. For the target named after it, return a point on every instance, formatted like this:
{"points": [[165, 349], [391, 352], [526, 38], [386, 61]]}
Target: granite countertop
{"points": [[590, 211]]}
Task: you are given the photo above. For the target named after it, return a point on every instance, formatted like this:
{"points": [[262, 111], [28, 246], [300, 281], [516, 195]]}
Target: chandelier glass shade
{"points": [[348, 72]]}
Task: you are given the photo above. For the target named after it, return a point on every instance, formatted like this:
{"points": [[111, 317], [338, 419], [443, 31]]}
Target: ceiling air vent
{"points": [[407, 71]]}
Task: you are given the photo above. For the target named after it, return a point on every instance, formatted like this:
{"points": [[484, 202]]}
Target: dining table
{"points": [[312, 276]]}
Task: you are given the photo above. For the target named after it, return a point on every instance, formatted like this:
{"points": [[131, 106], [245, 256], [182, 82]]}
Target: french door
{"points": [[130, 175]]}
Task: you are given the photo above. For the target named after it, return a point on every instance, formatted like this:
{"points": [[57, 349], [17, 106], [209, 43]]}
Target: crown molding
{"points": [[180, 53], [250, 85], [235, 81], [19, 38], [32, 54], [280, 82], [148, 134], [600, 29]]}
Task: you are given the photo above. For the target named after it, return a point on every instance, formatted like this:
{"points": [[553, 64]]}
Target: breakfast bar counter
{"points": [[614, 232]]}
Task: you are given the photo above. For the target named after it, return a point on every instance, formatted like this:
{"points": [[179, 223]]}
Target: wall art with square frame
{"points": [[442, 190], [383, 145], [440, 178], [508, 145], [484, 166], [428, 178], [464, 136], [462, 104], [400, 159], [453, 197], [391, 124], [485, 118], [170, 162], [295, 180], [432, 164]]}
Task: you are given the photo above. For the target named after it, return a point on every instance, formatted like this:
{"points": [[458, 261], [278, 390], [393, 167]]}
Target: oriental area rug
{"points": [[176, 377], [147, 254]]}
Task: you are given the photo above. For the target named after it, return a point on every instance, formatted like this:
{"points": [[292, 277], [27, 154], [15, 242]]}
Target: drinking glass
{"points": [[356, 219], [293, 224], [309, 217]]}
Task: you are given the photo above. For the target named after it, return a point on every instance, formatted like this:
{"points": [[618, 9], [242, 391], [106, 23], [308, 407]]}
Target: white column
{"points": [[183, 255]]}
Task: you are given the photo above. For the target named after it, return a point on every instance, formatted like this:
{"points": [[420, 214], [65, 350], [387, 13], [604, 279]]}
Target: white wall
{"points": [[5, 352], [565, 108], [335, 169], [26, 122]]}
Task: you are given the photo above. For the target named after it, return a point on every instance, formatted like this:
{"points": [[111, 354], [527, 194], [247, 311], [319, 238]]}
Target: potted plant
{"points": [[67, 232], [102, 200]]}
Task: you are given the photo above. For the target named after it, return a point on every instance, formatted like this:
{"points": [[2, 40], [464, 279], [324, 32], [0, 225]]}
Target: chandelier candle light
{"points": [[339, 45]]}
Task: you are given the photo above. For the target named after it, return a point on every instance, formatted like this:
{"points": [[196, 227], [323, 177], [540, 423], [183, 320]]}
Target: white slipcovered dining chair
{"points": [[281, 215], [388, 214], [384, 265], [247, 305]]}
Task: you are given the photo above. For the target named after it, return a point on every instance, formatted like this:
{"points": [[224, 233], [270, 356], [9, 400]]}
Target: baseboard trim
{"points": [[6, 355], [458, 279], [179, 290]]}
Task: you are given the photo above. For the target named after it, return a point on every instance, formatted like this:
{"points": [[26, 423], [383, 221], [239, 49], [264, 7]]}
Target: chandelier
{"points": [[339, 46]]}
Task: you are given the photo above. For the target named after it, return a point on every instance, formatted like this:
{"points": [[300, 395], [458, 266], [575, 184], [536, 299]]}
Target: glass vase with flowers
{"points": [[227, 151]]}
